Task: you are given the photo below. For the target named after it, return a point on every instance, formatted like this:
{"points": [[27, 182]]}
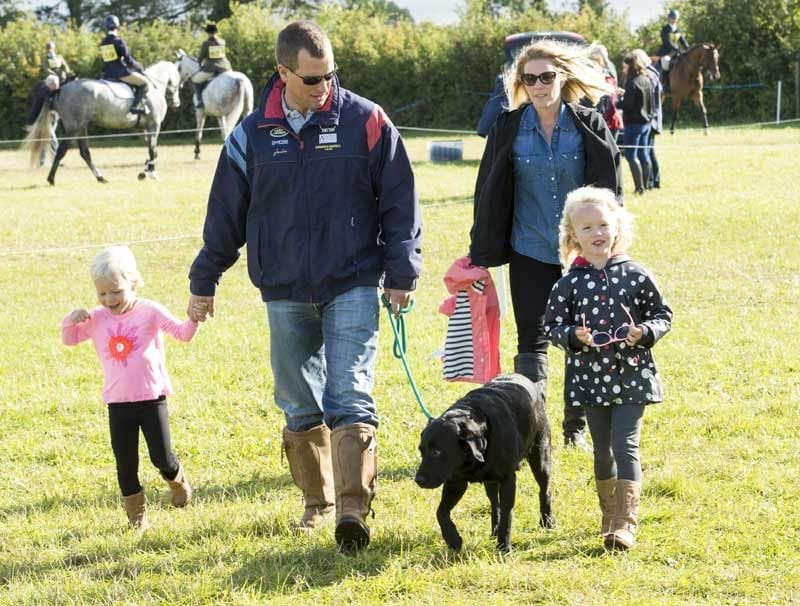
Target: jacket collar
{"points": [[271, 107], [617, 259]]}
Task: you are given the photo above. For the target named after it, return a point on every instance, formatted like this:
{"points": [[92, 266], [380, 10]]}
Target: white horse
{"points": [[226, 97], [107, 104]]}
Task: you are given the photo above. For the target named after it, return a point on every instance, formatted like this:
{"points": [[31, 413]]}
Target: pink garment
{"points": [[472, 346], [131, 348]]}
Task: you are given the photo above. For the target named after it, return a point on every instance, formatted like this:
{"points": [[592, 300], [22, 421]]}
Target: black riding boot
{"points": [[636, 173], [198, 94], [137, 106]]}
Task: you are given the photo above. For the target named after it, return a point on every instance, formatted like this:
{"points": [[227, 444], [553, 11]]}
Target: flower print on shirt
{"points": [[121, 343]]}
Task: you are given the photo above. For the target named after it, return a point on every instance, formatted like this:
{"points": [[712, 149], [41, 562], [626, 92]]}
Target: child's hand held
{"points": [[634, 335]]}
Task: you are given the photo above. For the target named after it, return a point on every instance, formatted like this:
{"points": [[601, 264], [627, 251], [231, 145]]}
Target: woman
{"points": [[543, 148], [212, 61], [637, 111], [119, 64]]}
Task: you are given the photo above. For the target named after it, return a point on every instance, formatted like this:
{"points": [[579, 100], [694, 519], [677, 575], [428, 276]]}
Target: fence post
{"points": [[778, 104], [797, 87]]}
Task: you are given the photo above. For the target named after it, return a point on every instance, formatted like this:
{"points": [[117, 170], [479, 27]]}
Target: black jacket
{"points": [[493, 212], [637, 102]]}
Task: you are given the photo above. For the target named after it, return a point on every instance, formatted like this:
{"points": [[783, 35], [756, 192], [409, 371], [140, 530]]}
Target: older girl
{"points": [[543, 148], [607, 314], [637, 111]]}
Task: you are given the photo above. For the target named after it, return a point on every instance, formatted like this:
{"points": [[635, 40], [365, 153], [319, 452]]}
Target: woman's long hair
{"points": [[584, 78]]}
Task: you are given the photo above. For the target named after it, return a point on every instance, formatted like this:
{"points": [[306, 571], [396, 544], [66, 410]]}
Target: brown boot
{"points": [[180, 488], [605, 492], [623, 528], [355, 476], [136, 508], [309, 456]]}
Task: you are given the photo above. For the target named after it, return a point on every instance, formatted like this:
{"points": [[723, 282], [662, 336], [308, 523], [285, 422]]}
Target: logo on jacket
{"points": [[278, 132], [327, 138]]}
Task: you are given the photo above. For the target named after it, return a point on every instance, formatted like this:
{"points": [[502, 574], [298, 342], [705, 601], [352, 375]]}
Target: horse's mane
{"points": [[683, 56]]}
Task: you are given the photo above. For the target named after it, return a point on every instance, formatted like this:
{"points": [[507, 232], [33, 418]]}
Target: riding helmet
{"points": [[111, 22], [211, 28], [50, 46], [673, 14]]}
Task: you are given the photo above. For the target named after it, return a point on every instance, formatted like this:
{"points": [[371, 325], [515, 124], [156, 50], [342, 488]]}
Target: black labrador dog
{"points": [[483, 437]]}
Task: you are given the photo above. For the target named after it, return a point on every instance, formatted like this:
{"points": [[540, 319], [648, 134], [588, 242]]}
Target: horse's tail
{"points": [[39, 136]]}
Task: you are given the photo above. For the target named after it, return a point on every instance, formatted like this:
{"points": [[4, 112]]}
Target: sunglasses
{"points": [[314, 80], [544, 78], [600, 339]]}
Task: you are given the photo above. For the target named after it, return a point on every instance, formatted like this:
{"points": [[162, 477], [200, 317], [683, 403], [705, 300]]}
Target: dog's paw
{"points": [[547, 521], [454, 542]]}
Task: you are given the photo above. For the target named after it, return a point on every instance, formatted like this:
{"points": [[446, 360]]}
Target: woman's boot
{"points": [[136, 508], [605, 493], [623, 528], [309, 456]]}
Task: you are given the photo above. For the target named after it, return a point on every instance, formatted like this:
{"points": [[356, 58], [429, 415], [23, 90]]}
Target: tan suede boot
{"points": [[355, 476], [180, 488], [136, 508], [623, 528], [309, 456], [605, 493]]}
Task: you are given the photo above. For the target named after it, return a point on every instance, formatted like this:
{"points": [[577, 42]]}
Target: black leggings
{"points": [[124, 421], [531, 283], [615, 433]]}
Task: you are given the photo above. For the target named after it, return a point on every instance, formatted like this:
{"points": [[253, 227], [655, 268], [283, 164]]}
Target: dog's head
{"points": [[453, 442]]}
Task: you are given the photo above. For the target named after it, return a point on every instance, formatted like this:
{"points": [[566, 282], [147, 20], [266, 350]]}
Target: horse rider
{"points": [[672, 44], [118, 64], [212, 61], [55, 71]]}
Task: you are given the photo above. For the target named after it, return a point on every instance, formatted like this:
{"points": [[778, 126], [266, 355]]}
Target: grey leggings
{"points": [[615, 434]]}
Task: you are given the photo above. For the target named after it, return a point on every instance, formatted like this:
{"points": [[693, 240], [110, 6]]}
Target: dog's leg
{"points": [[493, 492], [452, 491], [539, 460], [508, 494]]}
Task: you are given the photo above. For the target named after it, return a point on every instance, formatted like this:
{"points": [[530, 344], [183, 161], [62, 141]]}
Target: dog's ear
{"points": [[472, 436]]}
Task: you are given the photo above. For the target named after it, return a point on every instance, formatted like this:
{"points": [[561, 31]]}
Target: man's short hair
{"points": [[299, 35]]}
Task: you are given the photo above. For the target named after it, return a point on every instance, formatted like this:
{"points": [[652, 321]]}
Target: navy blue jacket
{"points": [[124, 64], [321, 212]]}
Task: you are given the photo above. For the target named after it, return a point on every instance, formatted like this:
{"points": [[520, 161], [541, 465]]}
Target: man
{"points": [[212, 62], [118, 64], [317, 183], [671, 38]]}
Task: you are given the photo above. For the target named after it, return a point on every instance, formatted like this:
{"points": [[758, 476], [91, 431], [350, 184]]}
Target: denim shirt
{"points": [[543, 176]]}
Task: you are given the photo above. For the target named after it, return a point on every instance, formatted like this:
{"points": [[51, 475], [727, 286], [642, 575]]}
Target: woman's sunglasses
{"points": [[600, 339], [314, 80], [544, 78]]}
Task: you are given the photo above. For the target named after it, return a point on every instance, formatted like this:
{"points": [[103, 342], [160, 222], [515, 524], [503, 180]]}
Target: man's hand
{"points": [[398, 299], [199, 308]]}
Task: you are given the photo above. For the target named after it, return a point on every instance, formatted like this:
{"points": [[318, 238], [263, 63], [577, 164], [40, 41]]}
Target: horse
{"points": [[226, 97], [106, 104], [686, 78]]}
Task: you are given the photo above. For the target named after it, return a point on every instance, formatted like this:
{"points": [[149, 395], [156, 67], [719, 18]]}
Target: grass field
{"points": [[720, 521]]}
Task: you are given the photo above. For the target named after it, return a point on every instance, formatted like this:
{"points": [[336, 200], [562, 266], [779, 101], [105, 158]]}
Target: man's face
{"points": [[304, 97]]}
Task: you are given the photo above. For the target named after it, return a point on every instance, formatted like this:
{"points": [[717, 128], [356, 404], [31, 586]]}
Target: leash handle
{"points": [[398, 325]]}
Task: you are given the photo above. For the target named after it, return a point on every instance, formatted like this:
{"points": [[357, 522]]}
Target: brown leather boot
{"points": [[355, 476], [309, 456], [180, 488], [605, 493], [623, 528], [136, 508]]}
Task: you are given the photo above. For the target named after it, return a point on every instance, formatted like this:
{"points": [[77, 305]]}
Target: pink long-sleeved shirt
{"points": [[131, 348]]}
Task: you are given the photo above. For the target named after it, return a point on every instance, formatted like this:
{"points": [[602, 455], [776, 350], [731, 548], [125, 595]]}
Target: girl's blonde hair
{"points": [[116, 261], [584, 78], [597, 196]]}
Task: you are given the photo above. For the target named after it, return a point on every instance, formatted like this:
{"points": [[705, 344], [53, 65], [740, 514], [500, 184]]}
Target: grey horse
{"points": [[226, 98], [83, 102]]}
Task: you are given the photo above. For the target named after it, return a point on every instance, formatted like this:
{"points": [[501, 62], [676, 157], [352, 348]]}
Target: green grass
{"points": [[719, 514]]}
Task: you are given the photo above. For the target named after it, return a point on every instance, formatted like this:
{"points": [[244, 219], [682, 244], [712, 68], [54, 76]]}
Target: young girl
{"points": [[127, 335], [607, 313]]}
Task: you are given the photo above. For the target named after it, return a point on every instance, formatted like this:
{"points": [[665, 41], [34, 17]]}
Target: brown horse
{"points": [[686, 78]]}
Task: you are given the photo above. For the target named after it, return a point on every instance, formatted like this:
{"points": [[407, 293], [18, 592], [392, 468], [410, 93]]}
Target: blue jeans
{"points": [[323, 359], [637, 135]]}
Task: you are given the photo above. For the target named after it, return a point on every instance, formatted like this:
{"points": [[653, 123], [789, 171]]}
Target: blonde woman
{"points": [[607, 313], [637, 111], [544, 147]]}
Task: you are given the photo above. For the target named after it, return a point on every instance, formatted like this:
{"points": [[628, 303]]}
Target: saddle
{"points": [[121, 90]]}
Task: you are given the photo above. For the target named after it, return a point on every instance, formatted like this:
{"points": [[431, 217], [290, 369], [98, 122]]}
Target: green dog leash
{"points": [[398, 325]]}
